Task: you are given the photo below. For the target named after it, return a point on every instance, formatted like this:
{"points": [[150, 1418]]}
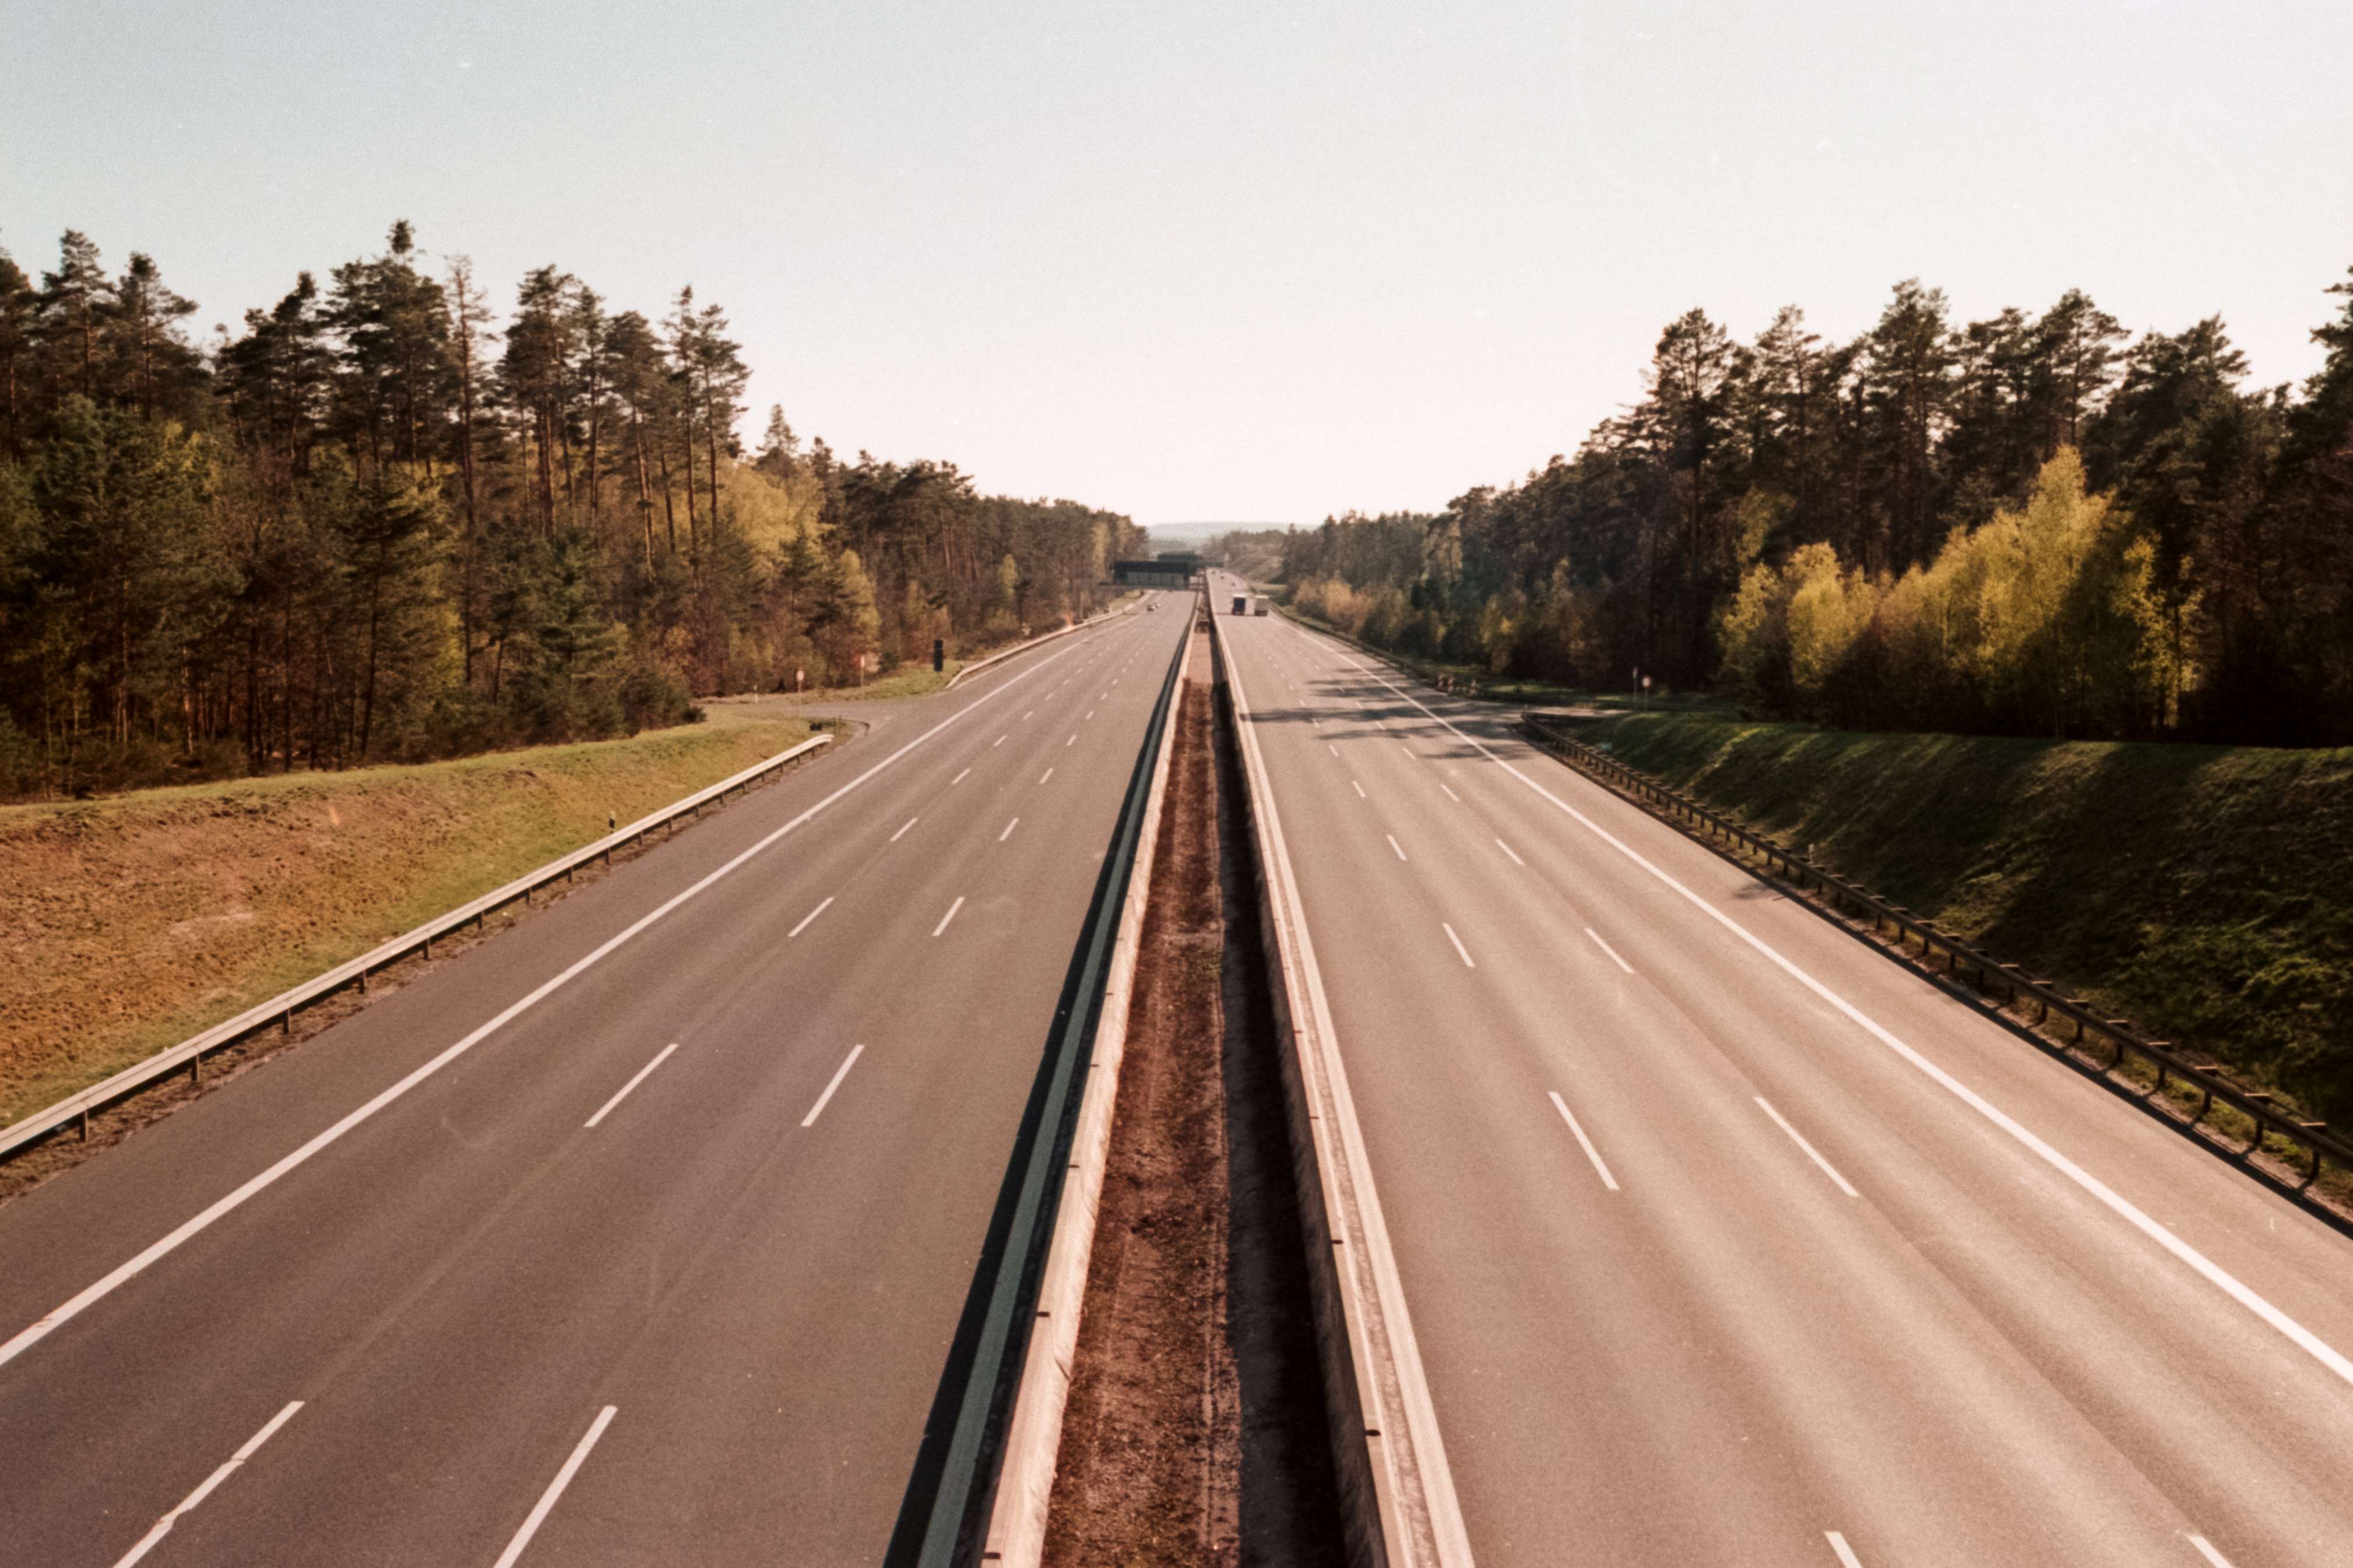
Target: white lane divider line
{"points": [[1811, 1152], [41, 1328], [1451, 795], [903, 828], [163, 1527], [1511, 852], [1360, 791], [1583, 1141], [1073, 739], [1091, 713], [1847, 1559], [1031, 714], [1009, 830], [659, 1057], [1395, 845], [2115, 1203], [1000, 740], [833, 1083], [958, 779], [2206, 1550], [1609, 950], [1331, 748], [1407, 747], [1044, 776], [949, 916], [820, 909], [1463, 951], [555, 1489]]}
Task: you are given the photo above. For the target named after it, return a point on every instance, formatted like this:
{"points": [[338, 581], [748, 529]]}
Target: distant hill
{"points": [[1192, 535]]}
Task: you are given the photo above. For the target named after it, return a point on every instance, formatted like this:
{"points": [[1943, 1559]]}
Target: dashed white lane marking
{"points": [[1612, 951], [1584, 1142], [1073, 739], [2115, 1203], [1395, 845], [1451, 795], [555, 1489], [1044, 776], [819, 910], [659, 1057], [1847, 1559], [1511, 852], [903, 828], [1811, 1152], [2206, 1550], [163, 1527], [959, 778], [1331, 748], [833, 1083], [1460, 951], [1009, 830], [1091, 713], [1360, 791], [1000, 740], [949, 916]]}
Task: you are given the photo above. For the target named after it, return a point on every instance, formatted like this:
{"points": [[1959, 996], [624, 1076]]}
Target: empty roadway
{"points": [[1728, 1240], [729, 1182]]}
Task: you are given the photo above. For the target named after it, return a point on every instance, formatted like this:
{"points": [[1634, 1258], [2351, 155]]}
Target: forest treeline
{"points": [[386, 519], [2029, 525]]}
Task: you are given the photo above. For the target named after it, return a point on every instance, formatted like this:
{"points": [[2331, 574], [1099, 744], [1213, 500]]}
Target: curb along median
{"points": [[1397, 1496], [279, 1011], [1006, 1428], [1017, 1526]]}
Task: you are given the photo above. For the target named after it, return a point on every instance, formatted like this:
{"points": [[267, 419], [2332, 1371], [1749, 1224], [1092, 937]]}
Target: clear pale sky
{"points": [[1223, 261]]}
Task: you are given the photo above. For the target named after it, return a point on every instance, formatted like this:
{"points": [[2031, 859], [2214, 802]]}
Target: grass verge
{"points": [[2200, 890], [131, 922]]}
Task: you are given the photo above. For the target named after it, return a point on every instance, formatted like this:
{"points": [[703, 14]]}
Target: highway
{"points": [[636, 1234], [1728, 1240]]}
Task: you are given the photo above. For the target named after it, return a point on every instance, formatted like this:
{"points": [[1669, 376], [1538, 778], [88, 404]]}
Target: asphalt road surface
{"points": [[1726, 1240], [635, 1234]]}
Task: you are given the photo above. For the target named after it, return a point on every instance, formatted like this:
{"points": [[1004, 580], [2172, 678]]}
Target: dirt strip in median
{"points": [[1195, 1430]]}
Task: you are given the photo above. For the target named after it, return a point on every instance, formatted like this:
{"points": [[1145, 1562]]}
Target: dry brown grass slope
{"points": [[131, 922]]}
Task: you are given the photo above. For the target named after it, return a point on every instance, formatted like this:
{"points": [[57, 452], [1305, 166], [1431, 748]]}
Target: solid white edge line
{"points": [[828, 898], [1395, 845], [1459, 948], [1811, 1152], [1511, 852], [1583, 1141], [659, 1057], [1847, 1559], [2115, 1203], [903, 828], [1425, 1444], [833, 1083], [2206, 1550], [1009, 830], [949, 916], [555, 1489], [41, 1328], [1612, 951], [163, 1527]]}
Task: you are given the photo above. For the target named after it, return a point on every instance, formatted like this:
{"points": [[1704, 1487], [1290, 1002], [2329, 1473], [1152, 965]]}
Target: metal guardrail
{"points": [[279, 1011], [1987, 973]]}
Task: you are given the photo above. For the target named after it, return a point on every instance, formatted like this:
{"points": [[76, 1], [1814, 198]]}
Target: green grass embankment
{"points": [[2205, 892], [130, 922]]}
